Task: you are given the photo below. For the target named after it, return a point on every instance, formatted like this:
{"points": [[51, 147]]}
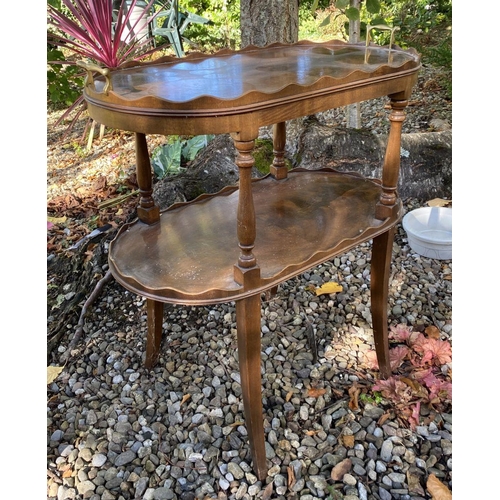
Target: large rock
{"points": [[425, 157], [425, 160]]}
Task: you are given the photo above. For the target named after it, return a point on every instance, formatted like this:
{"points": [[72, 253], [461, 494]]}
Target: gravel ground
{"points": [[118, 431]]}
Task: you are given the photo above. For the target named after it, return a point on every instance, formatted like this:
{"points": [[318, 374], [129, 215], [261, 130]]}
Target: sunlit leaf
{"points": [[56, 220], [330, 287], [53, 372], [352, 14], [326, 21], [373, 6], [438, 202]]}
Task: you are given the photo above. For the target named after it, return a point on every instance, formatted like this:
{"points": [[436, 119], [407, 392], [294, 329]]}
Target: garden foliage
{"points": [[421, 363]]}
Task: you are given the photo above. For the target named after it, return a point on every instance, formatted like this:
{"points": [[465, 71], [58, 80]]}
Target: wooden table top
{"points": [[264, 80]]}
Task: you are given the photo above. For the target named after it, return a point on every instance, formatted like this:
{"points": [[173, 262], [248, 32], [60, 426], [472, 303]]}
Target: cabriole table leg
{"points": [[249, 356], [155, 322], [380, 270]]}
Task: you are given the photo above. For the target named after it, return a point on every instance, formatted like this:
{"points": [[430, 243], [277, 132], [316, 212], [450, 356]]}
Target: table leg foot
{"points": [[155, 322], [249, 354], [380, 271]]}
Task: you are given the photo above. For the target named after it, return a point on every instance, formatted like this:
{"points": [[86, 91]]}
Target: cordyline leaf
{"points": [[89, 30], [437, 489]]}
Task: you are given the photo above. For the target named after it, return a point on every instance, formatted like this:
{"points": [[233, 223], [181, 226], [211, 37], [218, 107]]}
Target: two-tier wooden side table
{"points": [[246, 239]]}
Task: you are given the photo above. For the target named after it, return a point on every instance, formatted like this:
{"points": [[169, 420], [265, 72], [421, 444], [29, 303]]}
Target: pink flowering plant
{"points": [[421, 365], [87, 30]]}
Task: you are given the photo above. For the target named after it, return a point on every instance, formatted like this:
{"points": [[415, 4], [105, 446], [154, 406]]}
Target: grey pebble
{"points": [[178, 430]]}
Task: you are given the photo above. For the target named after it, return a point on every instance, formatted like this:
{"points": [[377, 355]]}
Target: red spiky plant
{"points": [[86, 28]]}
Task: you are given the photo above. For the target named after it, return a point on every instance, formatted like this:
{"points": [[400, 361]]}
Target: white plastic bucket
{"points": [[429, 231]]}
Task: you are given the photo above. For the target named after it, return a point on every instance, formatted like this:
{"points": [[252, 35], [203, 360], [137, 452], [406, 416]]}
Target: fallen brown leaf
{"points": [[291, 477], [433, 332], [311, 432], [315, 392], [341, 469], [383, 418], [437, 489], [67, 473], [353, 394], [438, 202], [348, 440], [414, 485], [185, 398], [268, 492]]}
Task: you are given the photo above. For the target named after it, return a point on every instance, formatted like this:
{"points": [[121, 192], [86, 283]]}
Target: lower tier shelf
{"points": [[188, 257]]}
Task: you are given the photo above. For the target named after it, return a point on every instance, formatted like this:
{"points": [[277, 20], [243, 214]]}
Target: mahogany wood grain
{"points": [[246, 239]]}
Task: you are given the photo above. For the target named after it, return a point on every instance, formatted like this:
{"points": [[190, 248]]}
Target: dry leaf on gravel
{"points": [[53, 372], [268, 492], [348, 440], [438, 202], [437, 489], [341, 469], [291, 477], [433, 332], [330, 287], [414, 485], [354, 394], [315, 392]]}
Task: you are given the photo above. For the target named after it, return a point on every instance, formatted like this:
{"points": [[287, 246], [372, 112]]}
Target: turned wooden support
{"points": [[147, 211], [390, 172], [278, 168], [246, 272]]}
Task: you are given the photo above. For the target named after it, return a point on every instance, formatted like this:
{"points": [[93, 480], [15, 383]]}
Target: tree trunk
{"points": [[353, 110], [268, 21]]}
